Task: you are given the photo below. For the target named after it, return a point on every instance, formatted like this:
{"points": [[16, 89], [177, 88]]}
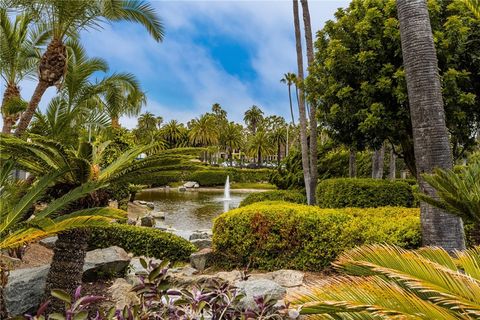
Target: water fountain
{"points": [[226, 190]]}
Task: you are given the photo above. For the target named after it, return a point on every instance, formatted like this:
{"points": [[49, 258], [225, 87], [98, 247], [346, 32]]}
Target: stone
{"points": [[10, 262], [201, 259], [147, 204], [121, 294], [288, 278], [136, 268], [105, 262], [201, 234], [182, 189], [202, 243], [190, 184], [197, 185], [186, 271], [147, 221], [24, 290], [257, 288], [158, 214], [49, 242], [229, 276]]}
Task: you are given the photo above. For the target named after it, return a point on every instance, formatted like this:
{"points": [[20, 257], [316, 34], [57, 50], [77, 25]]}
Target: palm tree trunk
{"points": [[291, 106], [377, 163], [259, 159], [301, 106], [431, 143], [313, 107], [392, 173], [115, 123], [11, 92], [279, 153], [352, 163], [27, 115]]}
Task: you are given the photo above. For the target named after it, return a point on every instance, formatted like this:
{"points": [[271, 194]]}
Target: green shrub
{"points": [[276, 235], [216, 176], [140, 241], [208, 178], [363, 193], [248, 175], [293, 196]]}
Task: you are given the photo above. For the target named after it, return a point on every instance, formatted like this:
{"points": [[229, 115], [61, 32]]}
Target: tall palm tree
{"points": [[253, 117], [313, 155], [66, 19], [203, 131], [290, 78], [231, 138], [174, 134], [18, 56], [147, 128], [278, 138], [307, 176], [259, 145], [431, 143]]}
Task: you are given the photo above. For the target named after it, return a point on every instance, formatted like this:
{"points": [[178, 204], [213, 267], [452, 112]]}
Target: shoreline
{"points": [[203, 189]]}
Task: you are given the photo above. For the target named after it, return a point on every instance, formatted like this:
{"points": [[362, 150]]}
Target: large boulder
{"points": [[105, 262], [190, 184], [259, 288], [25, 288], [49, 242], [147, 221], [201, 259]]}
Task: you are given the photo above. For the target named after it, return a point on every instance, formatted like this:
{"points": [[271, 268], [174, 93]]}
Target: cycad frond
{"points": [[474, 6]]}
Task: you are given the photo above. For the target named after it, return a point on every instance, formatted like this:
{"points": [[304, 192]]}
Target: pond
{"points": [[190, 210]]}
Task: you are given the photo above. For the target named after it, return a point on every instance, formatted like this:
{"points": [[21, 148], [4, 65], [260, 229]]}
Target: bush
{"points": [[277, 195], [276, 235], [363, 193], [208, 178], [216, 177], [248, 175], [142, 241]]}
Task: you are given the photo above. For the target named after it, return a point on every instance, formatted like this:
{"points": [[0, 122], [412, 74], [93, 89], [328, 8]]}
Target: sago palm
{"points": [[67, 19], [19, 43], [458, 192], [388, 282]]}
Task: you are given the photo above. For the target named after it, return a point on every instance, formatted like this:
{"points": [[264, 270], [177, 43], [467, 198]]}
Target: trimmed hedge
{"points": [[217, 176], [281, 235], [142, 241], [293, 196], [363, 193]]}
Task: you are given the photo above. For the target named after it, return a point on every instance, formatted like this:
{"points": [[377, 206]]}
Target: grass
{"points": [[252, 185]]}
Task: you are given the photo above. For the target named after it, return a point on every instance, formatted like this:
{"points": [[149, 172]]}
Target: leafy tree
{"points": [[19, 43], [66, 19], [253, 117], [358, 77]]}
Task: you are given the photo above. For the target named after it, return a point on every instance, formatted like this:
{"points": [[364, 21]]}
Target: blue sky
{"points": [[230, 52]]}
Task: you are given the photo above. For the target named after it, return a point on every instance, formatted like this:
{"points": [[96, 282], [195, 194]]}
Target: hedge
{"points": [[142, 241], [293, 196], [281, 235], [363, 193], [217, 176]]}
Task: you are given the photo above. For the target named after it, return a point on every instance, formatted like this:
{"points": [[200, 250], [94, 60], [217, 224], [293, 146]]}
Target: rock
{"points": [[158, 215], [121, 294], [147, 221], [105, 262], [257, 288], [147, 204], [10, 262], [185, 271], [231, 277], [136, 268], [201, 234], [202, 243], [25, 289], [196, 186], [150, 205], [190, 184], [182, 189], [201, 259], [131, 222], [49, 242], [113, 204], [288, 278]]}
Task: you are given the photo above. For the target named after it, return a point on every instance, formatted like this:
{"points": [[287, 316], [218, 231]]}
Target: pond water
{"points": [[190, 210]]}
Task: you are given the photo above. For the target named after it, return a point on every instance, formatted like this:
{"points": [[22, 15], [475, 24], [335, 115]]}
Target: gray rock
{"points": [[105, 262], [285, 278], [49, 242], [197, 185], [229, 276], [136, 268], [182, 189], [185, 271], [25, 289], [158, 215], [190, 184], [201, 259], [258, 288], [201, 234], [202, 243], [147, 221]]}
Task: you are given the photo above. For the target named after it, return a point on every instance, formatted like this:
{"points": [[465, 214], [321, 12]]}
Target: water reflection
{"points": [[190, 210]]}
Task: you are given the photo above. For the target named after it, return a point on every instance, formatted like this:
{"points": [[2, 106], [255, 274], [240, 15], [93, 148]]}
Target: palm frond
{"points": [[474, 6]]}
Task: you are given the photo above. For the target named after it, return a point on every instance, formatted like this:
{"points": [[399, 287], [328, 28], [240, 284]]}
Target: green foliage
{"points": [[293, 196], [363, 193], [276, 235], [217, 176], [208, 178], [142, 241], [120, 140]]}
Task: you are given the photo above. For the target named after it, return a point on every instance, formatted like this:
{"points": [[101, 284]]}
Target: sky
{"points": [[228, 52]]}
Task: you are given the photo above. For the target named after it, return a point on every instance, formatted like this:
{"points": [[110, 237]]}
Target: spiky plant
{"points": [[458, 192], [41, 155], [474, 6], [387, 282]]}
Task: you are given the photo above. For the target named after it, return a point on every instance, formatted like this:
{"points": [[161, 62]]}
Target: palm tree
{"points": [[66, 19], [203, 131], [174, 134], [278, 138], [431, 142], [42, 155], [290, 78], [307, 175], [147, 128], [393, 283], [253, 117], [16, 207], [18, 56], [231, 138], [258, 145]]}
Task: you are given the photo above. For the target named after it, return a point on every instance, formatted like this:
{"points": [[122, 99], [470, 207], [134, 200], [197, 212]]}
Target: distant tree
{"points": [[231, 138], [259, 145], [147, 128], [289, 79], [253, 117], [175, 134]]}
